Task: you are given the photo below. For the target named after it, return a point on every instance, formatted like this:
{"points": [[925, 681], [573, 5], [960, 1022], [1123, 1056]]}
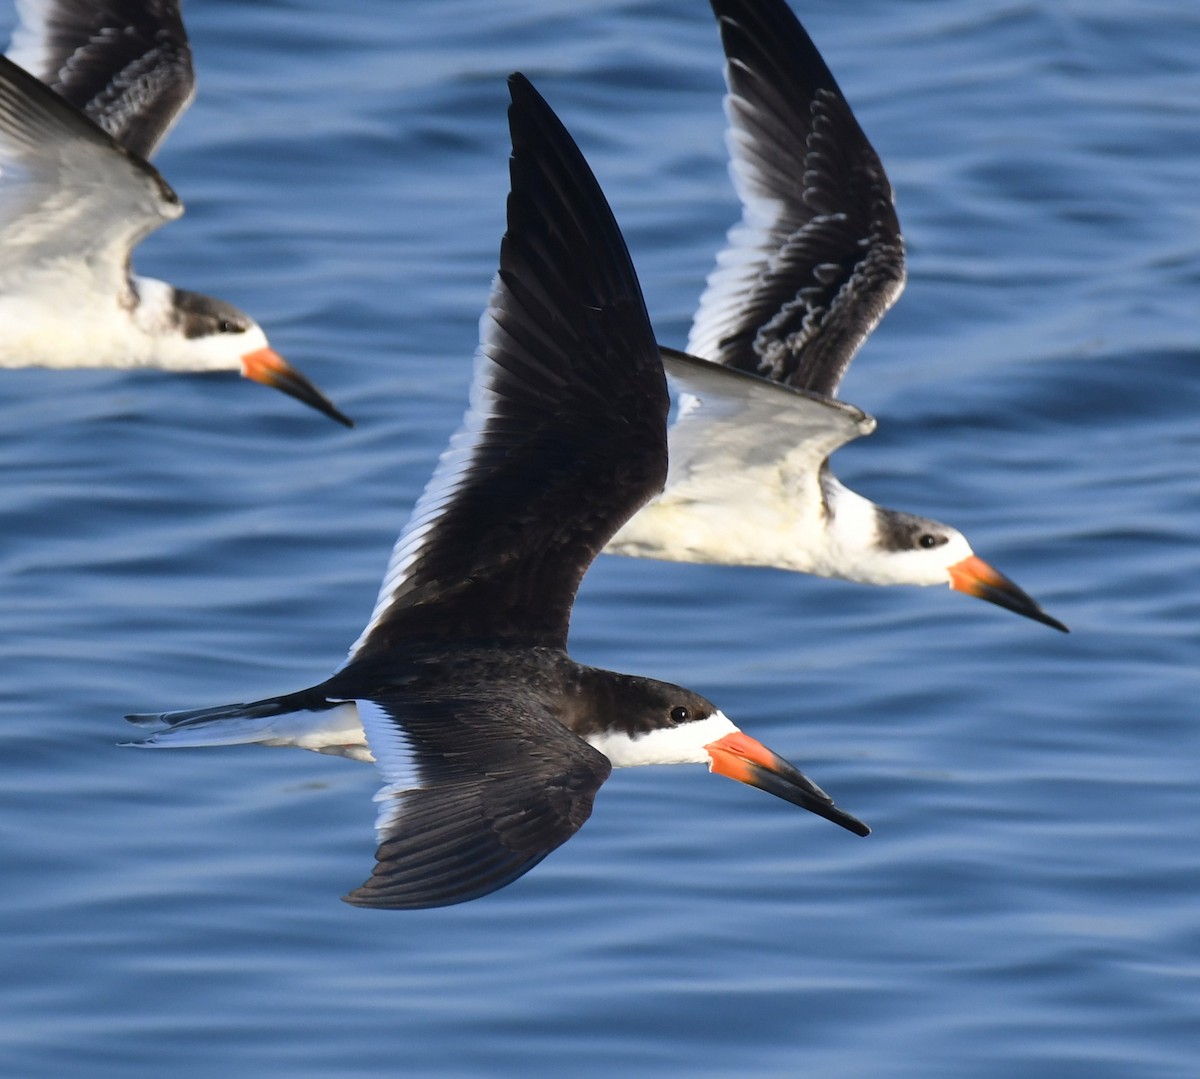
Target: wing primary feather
{"points": [[818, 257], [125, 64], [498, 784], [566, 436]]}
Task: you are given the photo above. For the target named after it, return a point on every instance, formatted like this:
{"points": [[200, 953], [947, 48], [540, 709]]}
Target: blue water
{"points": [[1028, 902]]}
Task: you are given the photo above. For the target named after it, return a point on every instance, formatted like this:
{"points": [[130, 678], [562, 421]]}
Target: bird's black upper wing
{"points": [[817, 258], [480, 789], [566, 435], [125, 64]]}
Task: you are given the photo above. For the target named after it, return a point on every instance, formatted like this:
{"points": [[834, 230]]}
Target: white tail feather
{"points": [[337, 731]]}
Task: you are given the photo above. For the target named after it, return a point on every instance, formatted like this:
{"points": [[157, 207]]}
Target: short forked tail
{"points": [[306, 700], [306, 720]]}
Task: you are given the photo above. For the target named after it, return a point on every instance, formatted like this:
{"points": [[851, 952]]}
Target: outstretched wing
{"points": [[478, 792], [732, 426], [68, 192], [566, 435], [125, 64], [817, 258]]}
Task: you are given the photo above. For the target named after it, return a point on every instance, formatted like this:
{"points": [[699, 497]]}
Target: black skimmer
{"points": [[808, 273], [491, 739], [77, 195]]}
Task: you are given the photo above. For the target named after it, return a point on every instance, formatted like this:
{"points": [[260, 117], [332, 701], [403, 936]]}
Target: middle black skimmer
{"points": [[815, 262], [491, 739], [77, 195]]}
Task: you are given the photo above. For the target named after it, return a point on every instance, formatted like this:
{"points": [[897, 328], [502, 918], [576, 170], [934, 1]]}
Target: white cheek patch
{"points": [[930, 566], [667, 745], [955, 550], [397, 762]]}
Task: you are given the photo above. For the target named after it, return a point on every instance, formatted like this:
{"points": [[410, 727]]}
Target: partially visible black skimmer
{"points": [[77, 195], [808, 273], [491, 740]]}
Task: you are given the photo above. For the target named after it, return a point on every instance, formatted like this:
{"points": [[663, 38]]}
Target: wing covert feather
{"points": [[487, 787]]}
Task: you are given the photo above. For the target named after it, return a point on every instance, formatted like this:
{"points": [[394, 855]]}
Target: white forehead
{"points": [[667, 745]]}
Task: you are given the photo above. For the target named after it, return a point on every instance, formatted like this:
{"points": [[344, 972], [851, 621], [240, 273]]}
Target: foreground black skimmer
{"points": [[815, 262], [491, 739], [77, 196]]}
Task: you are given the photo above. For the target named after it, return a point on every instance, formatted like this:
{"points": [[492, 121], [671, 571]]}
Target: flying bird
{"points": [[491, 740], [87, 93], [814, 264]]}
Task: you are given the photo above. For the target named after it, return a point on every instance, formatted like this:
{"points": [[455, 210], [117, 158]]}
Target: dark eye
{"points": [[225, 326], [928, 539], [679, 714]]}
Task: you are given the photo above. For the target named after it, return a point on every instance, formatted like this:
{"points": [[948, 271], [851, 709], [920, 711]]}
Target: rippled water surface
{"points": [[1027, 904]]}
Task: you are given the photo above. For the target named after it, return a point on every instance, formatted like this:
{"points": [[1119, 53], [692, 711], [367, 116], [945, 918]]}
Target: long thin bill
{"points": [[740, 757], [265, 365], [976, 578]]}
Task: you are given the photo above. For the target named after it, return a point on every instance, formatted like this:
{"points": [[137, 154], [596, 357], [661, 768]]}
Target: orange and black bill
{"points": [[976, 578], [740, 757], [265, 365]]}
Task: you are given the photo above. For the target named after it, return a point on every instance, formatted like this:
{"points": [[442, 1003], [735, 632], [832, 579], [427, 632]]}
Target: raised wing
{"points": [[817, 258], [732, 424], [68, 191], [566, 434], [478, 792], [125, 64]]}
